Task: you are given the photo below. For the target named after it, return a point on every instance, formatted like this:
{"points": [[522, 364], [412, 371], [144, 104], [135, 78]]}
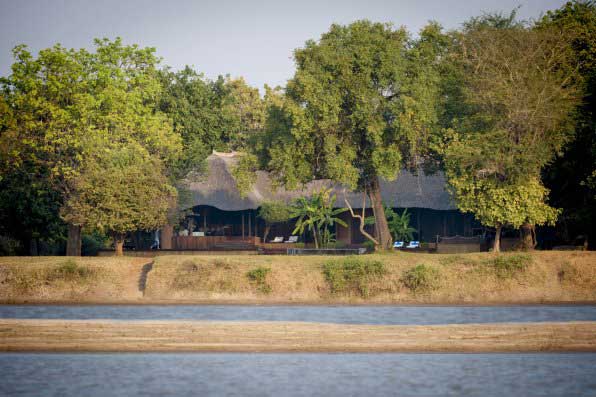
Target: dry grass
{"points": [[69, 280], [480, 278]]}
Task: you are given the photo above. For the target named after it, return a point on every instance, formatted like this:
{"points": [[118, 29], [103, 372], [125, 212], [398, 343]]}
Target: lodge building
{"points": [[220, 217]]}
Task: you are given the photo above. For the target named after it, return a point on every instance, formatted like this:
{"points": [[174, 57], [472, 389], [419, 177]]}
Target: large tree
{"points": [[572, 177], [520, 88], [360, 107], [64, 99], [121, 188]]}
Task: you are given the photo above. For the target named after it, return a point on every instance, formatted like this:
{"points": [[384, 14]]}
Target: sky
{"points": [[253, 39]]}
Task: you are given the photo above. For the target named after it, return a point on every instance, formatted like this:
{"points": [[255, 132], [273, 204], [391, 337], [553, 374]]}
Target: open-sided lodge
{"points": [[219, 217]]}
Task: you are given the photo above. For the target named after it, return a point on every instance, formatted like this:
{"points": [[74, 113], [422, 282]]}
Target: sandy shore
{"points": [[202, 336]]}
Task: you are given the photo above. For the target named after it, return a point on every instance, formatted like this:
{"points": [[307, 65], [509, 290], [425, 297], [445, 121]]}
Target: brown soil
{"points": [[463, 279], [171, 336]]}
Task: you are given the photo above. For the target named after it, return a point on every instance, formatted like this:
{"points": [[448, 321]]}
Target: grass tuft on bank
{"points": [[392, 278]]}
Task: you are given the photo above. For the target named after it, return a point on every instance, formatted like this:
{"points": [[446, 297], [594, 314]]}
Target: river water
{"points": [[312, 374], [326, 375], [390, 315]]}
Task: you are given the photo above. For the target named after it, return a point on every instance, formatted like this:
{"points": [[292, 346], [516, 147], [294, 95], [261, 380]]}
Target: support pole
{"points": [[249, 225]]}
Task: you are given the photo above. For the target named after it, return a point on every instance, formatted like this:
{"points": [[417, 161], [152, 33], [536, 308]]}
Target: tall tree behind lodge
{"points": [[360, 107], [520, 88]]}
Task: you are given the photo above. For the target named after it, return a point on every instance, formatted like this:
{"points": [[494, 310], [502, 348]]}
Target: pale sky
{"points": [[254, 39]]}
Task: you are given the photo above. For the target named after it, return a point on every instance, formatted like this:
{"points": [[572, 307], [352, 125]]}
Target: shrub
{"points": [[421, 278], [352, 275], [506, 266], [69, 270], [369, 245], [258, 276], [92, 243]]}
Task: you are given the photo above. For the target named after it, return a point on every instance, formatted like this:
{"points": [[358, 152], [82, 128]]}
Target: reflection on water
{"points": [[298, 374], [330, 314]]}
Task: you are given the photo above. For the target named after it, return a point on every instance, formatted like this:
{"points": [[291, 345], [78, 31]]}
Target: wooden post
{"points": [[242, 225], [418, 224], [249, 225]]}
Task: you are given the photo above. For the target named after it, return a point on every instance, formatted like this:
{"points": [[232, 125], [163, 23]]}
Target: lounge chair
{"points": [[398, 244], [277, 240], [292, 239], [413, 244]]}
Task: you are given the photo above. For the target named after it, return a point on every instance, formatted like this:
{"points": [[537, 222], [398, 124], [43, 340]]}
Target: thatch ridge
{"points": [[218, 188]]}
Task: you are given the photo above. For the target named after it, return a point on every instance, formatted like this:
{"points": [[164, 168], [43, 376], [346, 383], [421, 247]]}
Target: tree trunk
{"points": [[167, 232], [497, 243], [119, 244], [314, 232], [73, 243], [527, 236], [384, 236], [266, 232]]}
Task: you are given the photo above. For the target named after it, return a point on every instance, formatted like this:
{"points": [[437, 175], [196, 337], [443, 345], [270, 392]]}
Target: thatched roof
{"points": [[218, 189]]}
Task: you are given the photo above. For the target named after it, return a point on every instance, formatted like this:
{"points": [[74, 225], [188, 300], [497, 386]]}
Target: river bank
{"points": [[548, 277], [200, 336]]}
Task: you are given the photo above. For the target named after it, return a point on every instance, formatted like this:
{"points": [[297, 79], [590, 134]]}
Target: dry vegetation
{"points": [[69, 280], [396, 278], [105, 335], [481, 278]]}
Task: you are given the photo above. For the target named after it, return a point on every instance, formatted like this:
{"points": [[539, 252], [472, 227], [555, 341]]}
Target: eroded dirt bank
{"points": [[477, 279], [172, 336]]}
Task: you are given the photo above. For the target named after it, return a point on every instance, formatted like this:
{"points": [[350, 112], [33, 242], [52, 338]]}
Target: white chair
{"points": [[278, 240], [413, 244], [398, 244], [292, 239]]}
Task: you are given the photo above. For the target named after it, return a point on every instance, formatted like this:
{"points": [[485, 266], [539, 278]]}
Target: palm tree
{"points": [[316, 213], [399, 225]]}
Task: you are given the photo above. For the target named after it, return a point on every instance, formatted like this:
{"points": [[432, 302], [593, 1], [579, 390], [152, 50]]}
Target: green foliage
{"points": [[92, 243], [361, 105], [259, 277], [66, 106], [316, 214], [120, 190], [8, 246], [572, 177], [352, 275], [275, 212], [496, 152], [69, 270], [369, 245], [399, 225], [421, 278], [507, 266]]}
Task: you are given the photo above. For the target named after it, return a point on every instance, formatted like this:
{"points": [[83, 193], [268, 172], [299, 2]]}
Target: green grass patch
{"points": [[29, 278], [352, 275], [507, 266], [421, 278], [258, 277]]}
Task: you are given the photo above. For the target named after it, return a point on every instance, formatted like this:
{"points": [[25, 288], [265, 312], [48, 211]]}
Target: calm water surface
{"points": [[421, 315], [297, 374]]}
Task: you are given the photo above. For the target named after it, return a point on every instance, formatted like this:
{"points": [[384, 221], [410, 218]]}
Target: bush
{"points": [[258, 276], [92, 243], [352, 275], [506, 266], [369, 245], [421, 278], [9, 246], [69, 270]]}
